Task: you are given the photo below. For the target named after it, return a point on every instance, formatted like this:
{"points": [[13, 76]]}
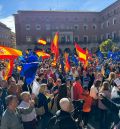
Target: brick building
{"points": [[5, 35], [82, 27]]}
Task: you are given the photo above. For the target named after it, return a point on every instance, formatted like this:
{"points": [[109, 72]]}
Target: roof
{"points": [[4, 26]]}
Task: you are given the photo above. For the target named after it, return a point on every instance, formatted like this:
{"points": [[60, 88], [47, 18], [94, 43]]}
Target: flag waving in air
{"points": [[55, 48], [81, 53], [43, 54], [54, 45], [42, 42], [86, 61], [67, 63]]}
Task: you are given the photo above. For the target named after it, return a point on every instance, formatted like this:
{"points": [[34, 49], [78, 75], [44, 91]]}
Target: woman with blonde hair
{"points": [[102, 108], [111, 79]]}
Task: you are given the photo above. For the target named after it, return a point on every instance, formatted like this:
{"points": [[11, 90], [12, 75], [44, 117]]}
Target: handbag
{"points": [[40, 111]]}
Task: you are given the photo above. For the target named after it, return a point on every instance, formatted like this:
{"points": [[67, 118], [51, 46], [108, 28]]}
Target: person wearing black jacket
{"points": [[63, 119], [115, 110]]}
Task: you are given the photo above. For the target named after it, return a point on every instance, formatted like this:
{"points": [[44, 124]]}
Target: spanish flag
{"points": [[54, 62], [9, 69], [81, 53], [67, 64], [86, 62], [42, 42], [54, 45], [42, 54]]}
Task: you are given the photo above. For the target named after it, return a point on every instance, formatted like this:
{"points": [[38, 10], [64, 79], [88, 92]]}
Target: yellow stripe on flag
{"points": [[81, 55], [41, 41]]}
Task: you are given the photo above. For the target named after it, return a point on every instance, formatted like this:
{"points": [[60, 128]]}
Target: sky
{"points": [[10, 7]]}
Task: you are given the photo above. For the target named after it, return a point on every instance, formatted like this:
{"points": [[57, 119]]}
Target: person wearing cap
{"points": [[63, 117]]}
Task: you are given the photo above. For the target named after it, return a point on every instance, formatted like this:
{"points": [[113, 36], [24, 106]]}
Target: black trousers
{"points": [[85, 117], [30, 124], [103, 119]]}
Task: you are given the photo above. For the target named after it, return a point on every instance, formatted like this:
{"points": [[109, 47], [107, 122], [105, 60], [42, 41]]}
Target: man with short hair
{"points": [[77, 89], [63, 118], [11, 117]]}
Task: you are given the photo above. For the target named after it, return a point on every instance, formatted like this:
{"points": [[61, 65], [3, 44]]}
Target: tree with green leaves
{"points": [[107, 45]]}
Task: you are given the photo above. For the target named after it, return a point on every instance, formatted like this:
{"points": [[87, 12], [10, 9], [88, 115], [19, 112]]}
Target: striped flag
{"points": [[81, 53], [42, 42], [54, 45], [55, 48], [86, 61], [42, 54], [67, 63]]}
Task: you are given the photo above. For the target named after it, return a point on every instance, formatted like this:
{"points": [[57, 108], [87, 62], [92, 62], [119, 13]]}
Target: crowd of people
{"points": [[56, 100]]}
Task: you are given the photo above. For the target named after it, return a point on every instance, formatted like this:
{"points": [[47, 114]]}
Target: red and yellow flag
{"points": [[86, 61], [7, 70], [67, 64], [81, 53], [54, 45], [55, 48], [42, 42], [42, 54], [54, 62]]}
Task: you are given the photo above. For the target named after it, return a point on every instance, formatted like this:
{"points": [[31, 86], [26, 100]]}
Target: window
{"points": [[68, 38], [94, 27], [63, 40], [108, 23], [114, 21], [47, 26], [102, 26], [28, 38], [27, 26], [38, 27], [95, 38], [113, 35], [102, 37], [85, 39], [108, 36], [85, 27], [115, 11], [76, 39], [76, 27]]}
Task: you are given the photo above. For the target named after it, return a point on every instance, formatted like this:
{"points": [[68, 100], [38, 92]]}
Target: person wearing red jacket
{"points": [[77, 89]]}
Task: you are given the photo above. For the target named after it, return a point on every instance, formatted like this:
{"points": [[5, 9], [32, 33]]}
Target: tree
{"points": [[107, 45]]}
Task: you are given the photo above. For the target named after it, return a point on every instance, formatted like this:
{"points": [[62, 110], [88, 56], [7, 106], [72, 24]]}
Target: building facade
{"points": [[82, 27], [5, 35]]}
